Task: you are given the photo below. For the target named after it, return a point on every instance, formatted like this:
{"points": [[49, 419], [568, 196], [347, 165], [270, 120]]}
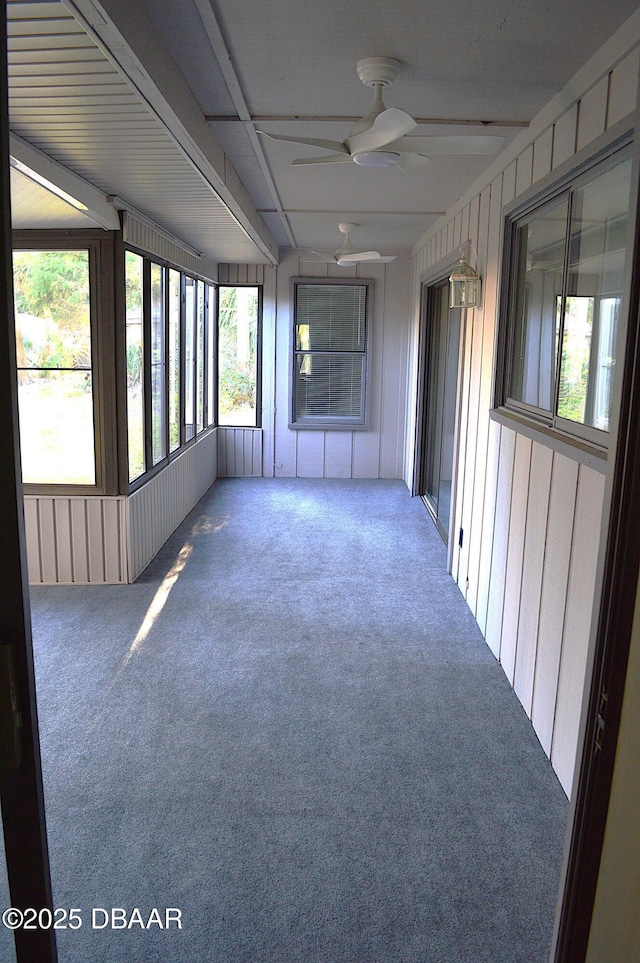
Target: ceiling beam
{"points": [[223, 57], [339, 118], [323, 211]]}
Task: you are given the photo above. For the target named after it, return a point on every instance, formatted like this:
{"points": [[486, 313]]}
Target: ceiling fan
{"points": [[378, 140], [347, 255]]}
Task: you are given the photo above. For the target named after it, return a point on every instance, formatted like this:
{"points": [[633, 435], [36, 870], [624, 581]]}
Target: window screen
{"points": [[330, 340]]}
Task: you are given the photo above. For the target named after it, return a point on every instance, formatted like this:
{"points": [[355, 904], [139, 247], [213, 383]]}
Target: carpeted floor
{"points": [[291, 730]]}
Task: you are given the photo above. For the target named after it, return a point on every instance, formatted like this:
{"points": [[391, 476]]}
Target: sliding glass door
{"points": [[440, 347]]}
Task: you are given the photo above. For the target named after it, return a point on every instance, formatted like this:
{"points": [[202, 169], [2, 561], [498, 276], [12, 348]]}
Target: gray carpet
{"points": [[311, 752]]}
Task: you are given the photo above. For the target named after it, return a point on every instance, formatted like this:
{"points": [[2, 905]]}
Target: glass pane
{"points": [[200, 318], [135, 384], [211, 355], [330, 386], [449, 421], [189, 359], [604, 361], [435, 387], [238, 355], [330, 317], [596, 267], [441, 356], [53, 325], [158, 441], [174, 360], [540, 260], [56, 427], [53, 342], [574, 368]]}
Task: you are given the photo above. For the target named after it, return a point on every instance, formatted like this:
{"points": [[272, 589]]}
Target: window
{"points": [[135, 385], [212, 353], [174, 356], [170, 351], [330, 354], [239, 316], [53, 308], [565, 281], [189, 359], [158, 365]]}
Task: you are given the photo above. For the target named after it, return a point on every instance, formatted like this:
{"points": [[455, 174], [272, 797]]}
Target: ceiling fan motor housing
{"points": [[381, 71]]}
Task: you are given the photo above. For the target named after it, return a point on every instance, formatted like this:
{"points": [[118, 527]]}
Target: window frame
{"points": [[150, 470], [101, 251], [336, 423], [583, 442], [216, 388]]}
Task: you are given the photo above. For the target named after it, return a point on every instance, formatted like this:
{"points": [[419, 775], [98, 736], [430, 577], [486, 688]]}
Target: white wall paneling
{"points": [[513, 588], [532, 570], [75, 539], [156, 509], [553, 595], [502, 517], [531, 517], [577, 621], [239, 452]]}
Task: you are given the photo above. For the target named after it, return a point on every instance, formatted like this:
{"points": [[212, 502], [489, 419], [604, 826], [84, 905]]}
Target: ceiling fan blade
{"points": [[331, 159], [361, 256], [325, 256], [334, 145], [456, 144], [386, 128]]}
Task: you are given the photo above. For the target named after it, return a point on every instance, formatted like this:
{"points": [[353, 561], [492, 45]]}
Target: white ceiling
{"points": [[138, 97]]}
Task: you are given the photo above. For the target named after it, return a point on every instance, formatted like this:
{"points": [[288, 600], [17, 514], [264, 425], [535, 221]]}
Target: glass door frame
{"points": [[21, 790], [432, 288]]}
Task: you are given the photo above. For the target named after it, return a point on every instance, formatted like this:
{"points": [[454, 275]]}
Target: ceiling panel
{"points": [[68, 100], [286, 67], [35, 207], [296, 59]]}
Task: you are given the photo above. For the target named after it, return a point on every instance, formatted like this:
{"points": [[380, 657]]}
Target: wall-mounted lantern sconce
{"points": [[464, 285]]}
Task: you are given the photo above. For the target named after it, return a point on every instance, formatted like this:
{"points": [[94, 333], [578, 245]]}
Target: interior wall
{"points": [[531, 517], [374, 453]]}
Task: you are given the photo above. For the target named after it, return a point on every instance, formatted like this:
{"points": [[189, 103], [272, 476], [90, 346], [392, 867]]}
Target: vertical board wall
{"points": [[531, 517]]}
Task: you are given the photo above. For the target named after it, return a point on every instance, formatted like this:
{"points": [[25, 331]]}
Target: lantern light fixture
{"points": [[464, 285]]}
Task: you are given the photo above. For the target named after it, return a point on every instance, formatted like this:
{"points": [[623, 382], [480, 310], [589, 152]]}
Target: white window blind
{"points": [[330, 341]]}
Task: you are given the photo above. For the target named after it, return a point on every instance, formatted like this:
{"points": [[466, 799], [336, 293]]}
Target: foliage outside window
{"points": [[330, 346], [564, 294], [54, 359], [238, 356]]}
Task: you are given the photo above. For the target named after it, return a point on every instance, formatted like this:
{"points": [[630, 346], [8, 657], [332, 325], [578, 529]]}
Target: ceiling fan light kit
{"points": [[377, 158]]}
